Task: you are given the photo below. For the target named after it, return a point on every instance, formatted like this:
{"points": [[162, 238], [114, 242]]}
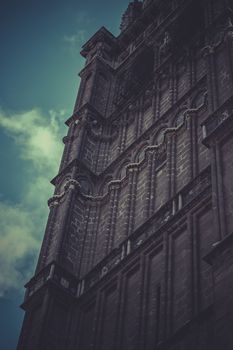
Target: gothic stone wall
{"points": [[151, 201], [162, 288]]}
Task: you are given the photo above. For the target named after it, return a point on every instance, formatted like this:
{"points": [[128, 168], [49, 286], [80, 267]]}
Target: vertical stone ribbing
{"points": [[95, 216], [68, 140], [173, 165], [176, 81], [95, 233], [144, 302], [194, 266], [108, 232], [153, 184], [217, 215], [212, 86], [171, 86], [139, 118], [64, 222], [123, 135], [106, 154], [192, 67], [130, 202], [221, 201], [114, 216], [168, 140], [189, 146], [82, 264], [154, 101], [166, 299], [189, 69], [47, 239], [195, 168], [173, 83], [149, 193]]}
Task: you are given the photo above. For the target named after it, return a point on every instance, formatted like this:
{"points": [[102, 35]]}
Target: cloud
{"points": [[83, 18], [75, 41], [38, 141], [37, 136], [17, 244]]}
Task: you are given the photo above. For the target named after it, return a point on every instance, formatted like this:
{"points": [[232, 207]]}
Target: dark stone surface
{"points": [[137, 252]]}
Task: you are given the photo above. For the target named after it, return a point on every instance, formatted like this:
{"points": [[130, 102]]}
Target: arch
{"points": [[140, 153], [159, 136], [121, 173], [164, 81], [199, 99], [181, 66], [103, 185], [179, 118], [86, 185], [62, 183]]}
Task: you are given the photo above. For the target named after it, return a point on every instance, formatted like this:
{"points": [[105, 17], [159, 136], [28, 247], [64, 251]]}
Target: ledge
{"points": [[102, 34], [150, 231], [87, 107], [220, 120], [53, 274], [218, 248]]}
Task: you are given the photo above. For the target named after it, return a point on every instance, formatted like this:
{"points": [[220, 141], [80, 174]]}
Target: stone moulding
{"points": [[218, 119], [164, 220], [187, 113], [71, 184], [159, 149], [227, 32]]}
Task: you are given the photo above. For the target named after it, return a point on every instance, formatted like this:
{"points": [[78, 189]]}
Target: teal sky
{"points": [[40, 61]]}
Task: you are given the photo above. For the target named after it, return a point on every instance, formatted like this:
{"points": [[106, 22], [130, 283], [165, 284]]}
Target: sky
{"points": [[39, 66]]}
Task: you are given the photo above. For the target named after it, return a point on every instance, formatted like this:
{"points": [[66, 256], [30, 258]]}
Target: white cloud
{"points": [[75, 41], [37, 136], [83, 18], [17, 243], [38, 140]]}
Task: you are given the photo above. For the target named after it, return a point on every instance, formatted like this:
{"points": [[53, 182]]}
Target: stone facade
{"points": [[138, 249]]}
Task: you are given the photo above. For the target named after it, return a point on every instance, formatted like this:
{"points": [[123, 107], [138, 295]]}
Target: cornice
{"points": [[75, 163], [103, 34], [215, 123], [189, 112], [167, 219], [160, 151], [219, 248], [93, 62], [225, 33]]}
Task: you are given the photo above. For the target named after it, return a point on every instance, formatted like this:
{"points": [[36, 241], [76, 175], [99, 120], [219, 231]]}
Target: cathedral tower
{"points": [[138, 249]]}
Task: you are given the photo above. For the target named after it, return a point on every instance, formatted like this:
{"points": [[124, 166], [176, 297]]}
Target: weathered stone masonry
{"points": [[137, 252]]}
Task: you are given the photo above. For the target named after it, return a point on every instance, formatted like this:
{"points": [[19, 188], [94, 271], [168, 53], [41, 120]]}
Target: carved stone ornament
{"points": [[229, 29], [166, 44], [227, 32], [70, 184]]}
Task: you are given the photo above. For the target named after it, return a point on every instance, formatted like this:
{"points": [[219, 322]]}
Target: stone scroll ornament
{"points": [[70, 184], [166, 45]]}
